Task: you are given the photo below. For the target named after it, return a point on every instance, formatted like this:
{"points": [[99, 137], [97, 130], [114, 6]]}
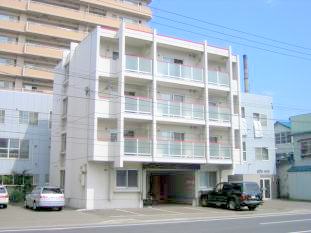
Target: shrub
{"points": [[16, 196]]}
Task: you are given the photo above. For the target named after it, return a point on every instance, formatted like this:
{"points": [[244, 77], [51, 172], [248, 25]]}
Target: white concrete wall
{"points": [[39, 136], [299, 185]]}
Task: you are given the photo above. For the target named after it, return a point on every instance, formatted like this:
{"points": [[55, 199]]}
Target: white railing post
{"points": [[137, 148], [168, 69], [192, 113], [181, 149], [193, 150], [169, 149], [138, 64], [217, 74], [191, 73], [180, 109], [137, 105], [180, 74], [168, 108]]}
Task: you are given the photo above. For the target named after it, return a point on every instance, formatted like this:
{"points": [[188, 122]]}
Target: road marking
{"points": [[287, 221], [300, 231], [127, 211], [147, 222], [168, 211]]}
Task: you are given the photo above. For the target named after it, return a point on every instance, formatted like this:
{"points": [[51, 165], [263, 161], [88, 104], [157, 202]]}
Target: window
{"points": [[14, 148], [6, 84], [30, 118], [261, 153], [24, 149], [2, 116], [178, 61], [115, 55], [282, 138], [208, 179], [63, 143], [305, 148], [244, 151], [65, 106], [178, 136], [127, 179], [129, 133], [4, 147], [243, 112], [260, 117]]}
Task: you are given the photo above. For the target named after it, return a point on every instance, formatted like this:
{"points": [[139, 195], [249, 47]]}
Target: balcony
{"points": [[143, 11], [220, 152], [178, 71], [218, 78], [139, 105], [219, 114], [166, 148], [180, 110], [138, 64], [30, 49], [137, 147]]}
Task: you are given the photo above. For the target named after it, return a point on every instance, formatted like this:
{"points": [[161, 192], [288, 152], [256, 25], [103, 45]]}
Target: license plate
{"points": [[253, 197]]}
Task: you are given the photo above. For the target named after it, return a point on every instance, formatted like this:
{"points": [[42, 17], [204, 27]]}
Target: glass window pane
{"points": [[14, 143], [121, 178], [24, 151], [132, 179], [7, 180], [265, 154], [3, 153], [23, 117], [204, 179], [4, 143], [33, 118], [258, 153], [212, 180]]}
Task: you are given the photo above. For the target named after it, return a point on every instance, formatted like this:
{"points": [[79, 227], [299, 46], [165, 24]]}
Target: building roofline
{"points": [[284, 124]]}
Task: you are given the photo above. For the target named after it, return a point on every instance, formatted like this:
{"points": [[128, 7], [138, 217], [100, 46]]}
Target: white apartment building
{"points": [[258, 148], [24, 138], [140, 115]]}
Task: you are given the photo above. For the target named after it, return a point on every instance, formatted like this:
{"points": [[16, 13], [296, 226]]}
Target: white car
{"points": [[4, 197], [45, 197]]}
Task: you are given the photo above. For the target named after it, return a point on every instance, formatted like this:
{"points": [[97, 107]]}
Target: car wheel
{"points": [[59, 208], [204, 201], [25, 205], [252, 208], [34, 206], [4, 206], [232, 205]]}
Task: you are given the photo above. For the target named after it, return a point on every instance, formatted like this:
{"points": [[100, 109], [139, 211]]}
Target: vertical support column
{"points": [[119, 159], [195, 201], [154, 96], [207, 151], [239, 107], [231, 101]]}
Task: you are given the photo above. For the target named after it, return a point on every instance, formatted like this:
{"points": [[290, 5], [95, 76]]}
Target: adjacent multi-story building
{"points": [[35, 33], [258, 148], [284, 155], [25, 122], [294, 157], [142, 115]]}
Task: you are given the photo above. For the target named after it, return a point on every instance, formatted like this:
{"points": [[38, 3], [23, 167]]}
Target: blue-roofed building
{"points": [[293, 152]]}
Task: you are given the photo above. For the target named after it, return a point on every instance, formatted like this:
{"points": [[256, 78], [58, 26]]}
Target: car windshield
{"points": [[2, 190], [51, 191], [251, 187]]}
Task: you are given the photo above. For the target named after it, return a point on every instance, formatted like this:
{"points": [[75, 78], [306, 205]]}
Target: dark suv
{"points": [[233, 195]]}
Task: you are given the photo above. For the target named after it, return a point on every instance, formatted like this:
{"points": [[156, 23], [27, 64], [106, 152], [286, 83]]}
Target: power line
{"points": [[229, 28]]}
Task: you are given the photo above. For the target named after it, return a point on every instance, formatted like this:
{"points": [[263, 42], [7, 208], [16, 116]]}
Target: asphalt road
{"points": [[265, 223]]}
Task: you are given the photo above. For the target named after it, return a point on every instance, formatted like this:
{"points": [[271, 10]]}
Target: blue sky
{"points": [[286, 79]]}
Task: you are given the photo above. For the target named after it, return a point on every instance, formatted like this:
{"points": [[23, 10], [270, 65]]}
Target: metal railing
{"points": [[218, 78], [137, 147], [179, 71], [134, 104], [181, 110], [219, 114], [180, 149], [138, 64], [219, 152]]}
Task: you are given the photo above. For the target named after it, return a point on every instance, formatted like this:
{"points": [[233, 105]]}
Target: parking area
{"points": [[15, 216]]}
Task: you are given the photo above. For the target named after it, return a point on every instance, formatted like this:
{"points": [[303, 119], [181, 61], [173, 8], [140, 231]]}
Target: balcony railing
{"points": [[181, 110], [218, 78], [134, 104], [219, 151], [185, 149], [138, 64], [179, 71], [137, 147], [219, 114]]}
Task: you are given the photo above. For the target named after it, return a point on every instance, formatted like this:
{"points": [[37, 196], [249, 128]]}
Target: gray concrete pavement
{"points": [[176, 218]]}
